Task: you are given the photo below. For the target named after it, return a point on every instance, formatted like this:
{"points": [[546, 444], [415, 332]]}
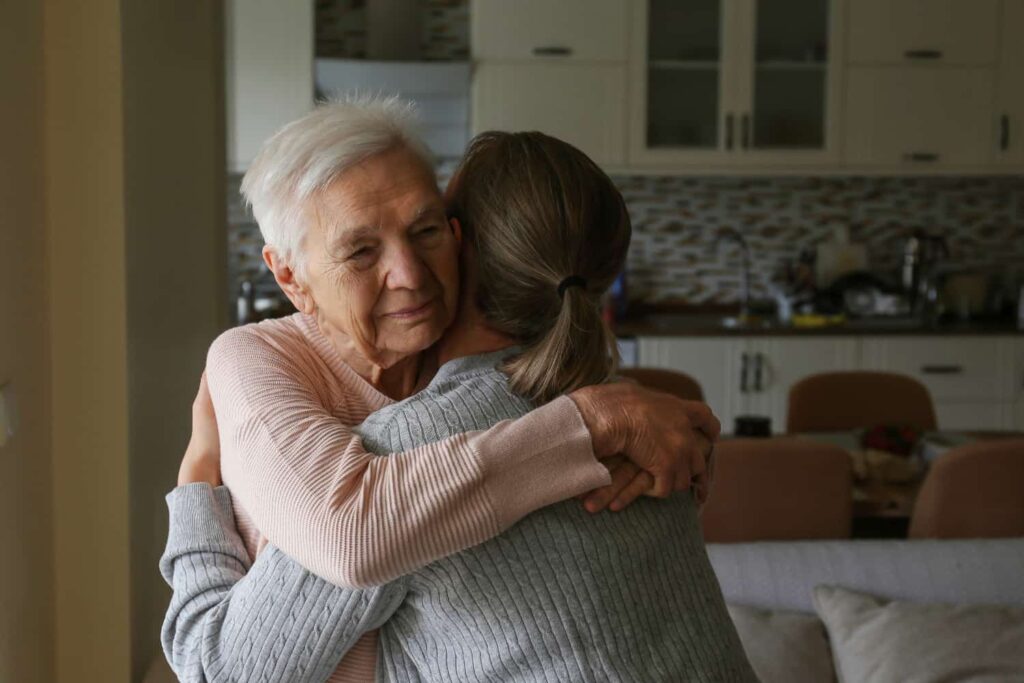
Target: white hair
{"points": [[306, 155]]}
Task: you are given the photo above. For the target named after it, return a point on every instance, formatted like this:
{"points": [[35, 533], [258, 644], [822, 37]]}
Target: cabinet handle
{"points": [[552, 51], [728, 131], [928, 157], [745, 131], [759, 372], [1004, 132], [942, 369], [923, 54], [744, 366]]}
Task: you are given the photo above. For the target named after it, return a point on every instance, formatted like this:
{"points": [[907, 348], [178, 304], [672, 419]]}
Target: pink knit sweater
{"points": [[286, 403]]}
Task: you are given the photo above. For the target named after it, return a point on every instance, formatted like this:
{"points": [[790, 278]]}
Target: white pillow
{"points": [[903, 642], [783, 646]]}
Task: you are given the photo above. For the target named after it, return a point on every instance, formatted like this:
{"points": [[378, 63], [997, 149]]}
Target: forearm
{"points": [[273, 621], [358, 519]]}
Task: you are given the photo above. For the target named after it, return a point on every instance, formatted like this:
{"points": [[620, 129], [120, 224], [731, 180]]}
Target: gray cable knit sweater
{"points": [[561, 596]]}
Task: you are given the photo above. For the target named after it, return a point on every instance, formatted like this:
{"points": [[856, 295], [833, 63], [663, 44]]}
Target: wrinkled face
{"points": [[382, 258]]}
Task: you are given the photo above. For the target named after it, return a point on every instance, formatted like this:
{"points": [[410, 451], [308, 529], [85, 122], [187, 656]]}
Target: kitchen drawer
{"points": [[922, 31], [919, 118], [974, 416], [953, 370], [584, 30]]}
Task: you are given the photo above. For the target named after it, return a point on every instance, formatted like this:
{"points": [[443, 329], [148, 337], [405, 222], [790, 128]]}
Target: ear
{"points": [[295, 290], [456, 229]]}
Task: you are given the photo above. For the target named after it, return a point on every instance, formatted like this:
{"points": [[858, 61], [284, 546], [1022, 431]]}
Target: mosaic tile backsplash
{"points": [[676, 222], [341, 27]]}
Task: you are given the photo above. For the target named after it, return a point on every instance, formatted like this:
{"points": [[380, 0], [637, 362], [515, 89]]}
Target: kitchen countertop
{"points": [[705, 325]]}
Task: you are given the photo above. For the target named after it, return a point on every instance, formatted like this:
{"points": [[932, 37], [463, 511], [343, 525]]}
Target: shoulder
{"points": [[281, 336]]}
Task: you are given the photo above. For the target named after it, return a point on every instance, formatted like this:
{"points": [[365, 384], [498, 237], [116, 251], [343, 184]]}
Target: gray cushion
{"points": [[878, 641], [783, 575], [783, 646]]}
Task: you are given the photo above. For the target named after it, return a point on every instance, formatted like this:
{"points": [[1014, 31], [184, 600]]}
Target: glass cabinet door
{"points": [[789, 97], [684, 74]]}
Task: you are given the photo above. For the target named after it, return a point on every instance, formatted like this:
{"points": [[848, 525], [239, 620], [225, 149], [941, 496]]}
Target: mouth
{"points": [[412, 312]]}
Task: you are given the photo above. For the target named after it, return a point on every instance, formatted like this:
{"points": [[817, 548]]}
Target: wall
{"points": [[677, 220], [85, 226], [134, 165], [26, 570], [341, 29], [174, 159]]}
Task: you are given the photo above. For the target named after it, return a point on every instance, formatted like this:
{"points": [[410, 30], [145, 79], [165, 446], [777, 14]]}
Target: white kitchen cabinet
{"points": [[1010, 89], [749, 375], [975, 382], [919, 117], [715, 362], [269, 71], [567, 30], [737, 84], [970, 379], [922, 31], [787, 360], [557, 69], [583, 104]]}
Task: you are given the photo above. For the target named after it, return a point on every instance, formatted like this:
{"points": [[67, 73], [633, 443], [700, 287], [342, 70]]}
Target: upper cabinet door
{"points": [[682, 81], [789, 77], [917, 118], [583, 104], [1010, 108], [928, 31], [587, 30]]}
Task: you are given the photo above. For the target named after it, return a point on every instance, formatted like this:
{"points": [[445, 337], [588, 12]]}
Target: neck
{"points": [[468, 336], [395, 377]]}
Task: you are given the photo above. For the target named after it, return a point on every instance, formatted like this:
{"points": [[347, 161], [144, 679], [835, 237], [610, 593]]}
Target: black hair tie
{"points": [[571, 281]]}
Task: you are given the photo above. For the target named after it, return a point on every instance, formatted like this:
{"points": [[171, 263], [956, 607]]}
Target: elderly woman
{"points": [[357, 238], [557, 597]]}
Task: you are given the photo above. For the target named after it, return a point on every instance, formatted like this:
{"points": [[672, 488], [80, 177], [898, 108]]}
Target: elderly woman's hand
{"points": [[668, 438], [202, 457]]}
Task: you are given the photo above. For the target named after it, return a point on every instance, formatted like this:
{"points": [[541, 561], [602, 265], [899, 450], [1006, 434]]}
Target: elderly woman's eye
{"points": [[428, 230], [361, 253]]}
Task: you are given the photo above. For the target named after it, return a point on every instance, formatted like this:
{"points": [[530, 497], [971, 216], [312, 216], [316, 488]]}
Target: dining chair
{"points": [[669, 381], [841, 401], [781, 488], [973, 491]]}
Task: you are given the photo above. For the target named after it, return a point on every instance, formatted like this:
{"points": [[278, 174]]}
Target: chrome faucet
{"points": [[737, 238]]}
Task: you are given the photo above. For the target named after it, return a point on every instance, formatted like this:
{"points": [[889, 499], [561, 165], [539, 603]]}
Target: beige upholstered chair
{"points": [[973, 491], [783, 488], [669, 381], [840, 401]]}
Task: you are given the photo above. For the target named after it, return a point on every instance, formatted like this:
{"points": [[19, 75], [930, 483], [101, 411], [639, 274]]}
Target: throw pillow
{"points": [[879, 640], [783, 646]]}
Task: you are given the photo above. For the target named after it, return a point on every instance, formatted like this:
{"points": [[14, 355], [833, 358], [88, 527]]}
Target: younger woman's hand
{"points": [[202, 457]]}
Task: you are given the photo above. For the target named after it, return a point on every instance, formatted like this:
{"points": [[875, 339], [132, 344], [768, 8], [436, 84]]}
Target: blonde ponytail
{"points": [[540, 215]]}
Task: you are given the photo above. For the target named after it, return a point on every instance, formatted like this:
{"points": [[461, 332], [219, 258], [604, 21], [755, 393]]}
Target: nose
{"points": [[406, 269]]}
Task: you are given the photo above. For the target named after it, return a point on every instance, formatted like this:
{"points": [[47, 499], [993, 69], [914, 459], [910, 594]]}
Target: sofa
{"points": [[877, 611]]}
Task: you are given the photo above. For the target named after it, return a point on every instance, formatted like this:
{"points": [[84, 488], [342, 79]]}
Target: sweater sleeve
{"points": [[360, 519], [274, 622]]}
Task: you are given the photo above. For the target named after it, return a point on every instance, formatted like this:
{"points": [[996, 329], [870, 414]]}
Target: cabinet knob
{"points": [[552, 51], [926, 157], [1004, 132], [923, 54], [942, 369]]}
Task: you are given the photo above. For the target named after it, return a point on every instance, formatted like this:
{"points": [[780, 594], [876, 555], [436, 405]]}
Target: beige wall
{"points": [[116, 127], [176, 261], [26, 575], [86, 226]]}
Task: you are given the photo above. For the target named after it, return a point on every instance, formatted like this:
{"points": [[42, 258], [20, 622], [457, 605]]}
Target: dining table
{"points": [[882, 506]]}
